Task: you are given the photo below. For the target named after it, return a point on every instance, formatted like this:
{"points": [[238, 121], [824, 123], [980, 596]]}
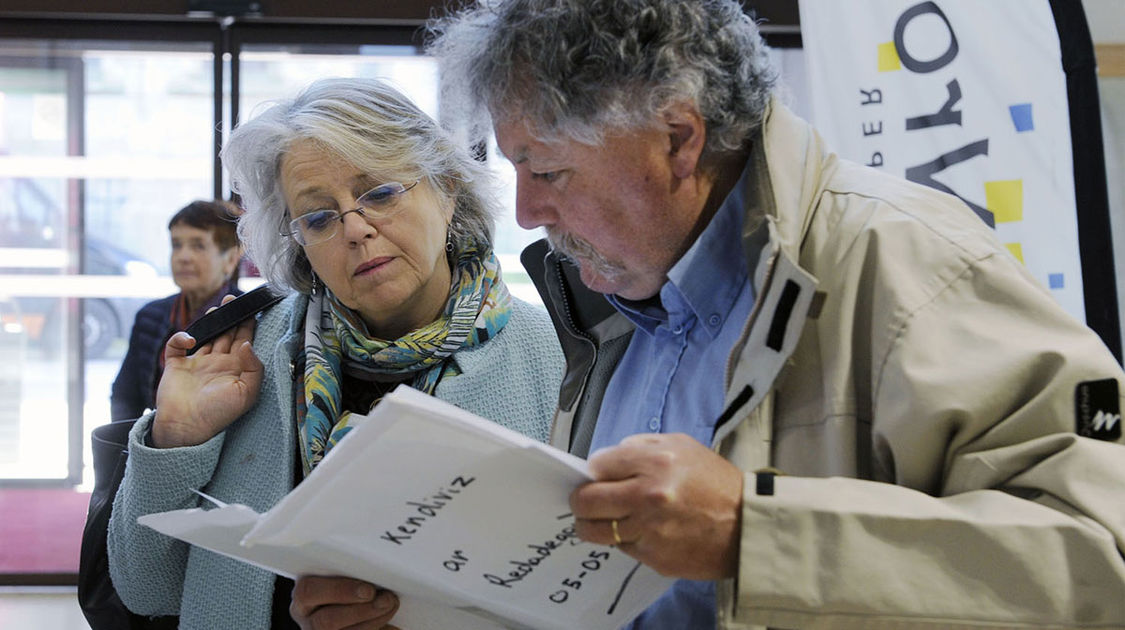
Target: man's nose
{"points": [[533, 208]]}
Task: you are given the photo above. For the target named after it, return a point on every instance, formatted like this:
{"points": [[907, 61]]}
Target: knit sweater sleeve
{"points": [[147, 567], [153, 573]]}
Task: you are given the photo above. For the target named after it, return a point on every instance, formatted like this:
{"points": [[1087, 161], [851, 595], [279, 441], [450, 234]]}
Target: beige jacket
{"points": [[921, 403], [917, 388]]}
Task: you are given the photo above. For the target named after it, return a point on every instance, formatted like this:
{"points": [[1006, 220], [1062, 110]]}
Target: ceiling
{"points": [[1106, 17]]}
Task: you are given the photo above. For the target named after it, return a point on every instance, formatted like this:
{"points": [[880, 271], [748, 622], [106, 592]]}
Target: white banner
{"points": [[964, 96]]}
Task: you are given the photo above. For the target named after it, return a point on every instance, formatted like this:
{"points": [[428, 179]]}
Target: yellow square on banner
{"points": [[888, 58], [1005, 199], [1016, 249]]}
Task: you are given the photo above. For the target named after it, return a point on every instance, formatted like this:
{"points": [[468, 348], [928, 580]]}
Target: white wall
{"points": [[1107, 27], [1107, 20]]}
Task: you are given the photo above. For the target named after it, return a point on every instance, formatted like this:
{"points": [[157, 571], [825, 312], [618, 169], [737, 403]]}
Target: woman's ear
{"points": [[687, 134]]}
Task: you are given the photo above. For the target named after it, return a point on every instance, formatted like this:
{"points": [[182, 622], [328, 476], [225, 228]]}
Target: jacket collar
{"points": [[787, 163], [789, 159]]}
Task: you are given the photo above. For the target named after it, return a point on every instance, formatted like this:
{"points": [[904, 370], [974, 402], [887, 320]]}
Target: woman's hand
{"points": [[201, 395], [327, 603]]}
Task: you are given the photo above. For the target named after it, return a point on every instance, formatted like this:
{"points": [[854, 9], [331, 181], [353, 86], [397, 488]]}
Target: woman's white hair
{"points": [[373, 127]]}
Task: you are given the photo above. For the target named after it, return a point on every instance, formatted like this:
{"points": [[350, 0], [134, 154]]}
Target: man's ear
{"points": [[687, 133]]}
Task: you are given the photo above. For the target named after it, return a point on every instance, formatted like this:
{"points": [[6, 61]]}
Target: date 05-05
{"points": [[592, 563]]}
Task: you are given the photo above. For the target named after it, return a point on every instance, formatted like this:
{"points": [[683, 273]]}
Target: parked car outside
{"points": [[104, 320], [31, 243]]}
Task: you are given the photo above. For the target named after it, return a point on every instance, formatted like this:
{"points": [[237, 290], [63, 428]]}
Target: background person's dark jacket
{"points": [[134, 389]]}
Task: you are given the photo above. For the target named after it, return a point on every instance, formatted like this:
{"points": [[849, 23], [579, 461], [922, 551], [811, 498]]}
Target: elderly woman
{"points": [[204, 261], [360, 202]]}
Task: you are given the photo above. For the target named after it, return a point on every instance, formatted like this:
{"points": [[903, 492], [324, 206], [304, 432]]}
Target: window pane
{"points": [[100, 143], [34, 246]]}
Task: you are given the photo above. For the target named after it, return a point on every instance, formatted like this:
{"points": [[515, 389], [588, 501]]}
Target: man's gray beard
{"points": [[581, 253]]}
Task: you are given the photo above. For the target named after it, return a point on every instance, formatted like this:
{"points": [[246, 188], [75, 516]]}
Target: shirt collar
{"points": [[701, 284]]}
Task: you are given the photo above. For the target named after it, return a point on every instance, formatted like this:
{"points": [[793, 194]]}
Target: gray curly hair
{"points": [[370, 125], [574, 69]]}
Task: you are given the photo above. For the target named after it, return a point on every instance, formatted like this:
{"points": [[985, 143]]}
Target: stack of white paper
{"points": [[466, 520]]}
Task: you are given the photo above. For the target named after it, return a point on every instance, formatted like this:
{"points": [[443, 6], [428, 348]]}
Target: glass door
{"points": [[101, 141]]}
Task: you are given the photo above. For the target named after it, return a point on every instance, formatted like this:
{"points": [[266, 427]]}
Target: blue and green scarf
{"points": [[336, 339]]}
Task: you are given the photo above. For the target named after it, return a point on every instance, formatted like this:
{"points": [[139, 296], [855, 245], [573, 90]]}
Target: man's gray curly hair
{"points": [[573, 69], [370, 125]]}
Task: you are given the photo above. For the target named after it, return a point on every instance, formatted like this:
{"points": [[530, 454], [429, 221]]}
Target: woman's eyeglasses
{"points": [[379, 203]]}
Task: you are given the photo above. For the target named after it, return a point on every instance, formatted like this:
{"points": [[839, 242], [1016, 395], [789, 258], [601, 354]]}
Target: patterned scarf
{"points": [[336, 340]]}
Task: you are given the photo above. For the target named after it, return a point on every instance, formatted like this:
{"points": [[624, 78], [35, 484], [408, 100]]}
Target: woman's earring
{"points": [[448, 241], [315, 284]]}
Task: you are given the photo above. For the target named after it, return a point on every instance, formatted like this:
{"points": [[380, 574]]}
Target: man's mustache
{"points": [[582, 253]]}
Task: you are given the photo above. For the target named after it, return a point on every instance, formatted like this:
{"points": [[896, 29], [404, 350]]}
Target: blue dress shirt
{"points": [[672, 377]]}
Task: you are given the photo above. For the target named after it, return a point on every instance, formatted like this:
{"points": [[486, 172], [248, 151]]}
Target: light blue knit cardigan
{"points": [[512, 379]]}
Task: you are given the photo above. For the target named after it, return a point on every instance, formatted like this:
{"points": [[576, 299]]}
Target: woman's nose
{"points": [[355, 227]]}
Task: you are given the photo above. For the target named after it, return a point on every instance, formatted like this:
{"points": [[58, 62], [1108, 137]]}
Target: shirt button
{"points": [[678, 330], [714, 320], [654, 423]]}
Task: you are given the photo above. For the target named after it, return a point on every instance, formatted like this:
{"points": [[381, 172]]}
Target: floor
{"points": [[45, 534], [40, 608], [43, 540]]}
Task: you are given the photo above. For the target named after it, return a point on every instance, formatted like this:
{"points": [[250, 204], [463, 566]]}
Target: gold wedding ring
{"points": [[616, 536]]}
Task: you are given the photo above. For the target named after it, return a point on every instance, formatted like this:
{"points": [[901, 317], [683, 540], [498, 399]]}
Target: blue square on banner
{"points": [[1055, 280], [1021, 117]]}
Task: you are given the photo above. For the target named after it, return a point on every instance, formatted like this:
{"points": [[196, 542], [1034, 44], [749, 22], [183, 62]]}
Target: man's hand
{"points": [[201, 395], [328, 603], [676, 503]]}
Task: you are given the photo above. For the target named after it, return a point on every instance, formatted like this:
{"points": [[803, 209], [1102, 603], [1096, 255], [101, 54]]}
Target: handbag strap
{"points": [[230, 314]]}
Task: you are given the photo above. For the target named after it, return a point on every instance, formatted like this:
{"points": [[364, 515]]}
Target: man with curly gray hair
{"points": [[799, 393]]}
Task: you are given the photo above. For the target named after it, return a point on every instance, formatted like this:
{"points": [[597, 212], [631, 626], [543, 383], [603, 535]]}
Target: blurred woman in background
{"points": [[205, 257]]}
